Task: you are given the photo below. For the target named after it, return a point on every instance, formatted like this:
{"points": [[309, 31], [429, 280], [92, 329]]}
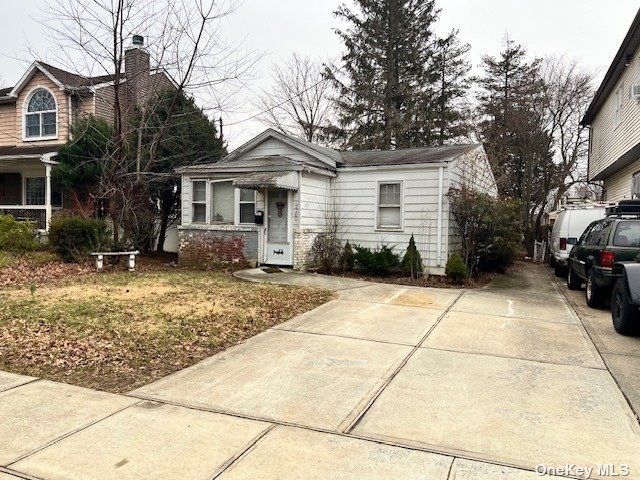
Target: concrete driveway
{"points": [[386, 382]]}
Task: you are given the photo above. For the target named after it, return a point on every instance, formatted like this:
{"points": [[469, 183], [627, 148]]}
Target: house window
{"points": [[199, 201], [41, 115], [222, 202], [35, 191], [247, 206], [389, 205], [635, 185]]}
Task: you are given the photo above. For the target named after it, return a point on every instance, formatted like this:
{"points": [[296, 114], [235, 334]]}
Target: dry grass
{"points": [[118, 331]]}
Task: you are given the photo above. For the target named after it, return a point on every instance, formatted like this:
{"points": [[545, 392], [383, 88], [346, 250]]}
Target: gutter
{"points": [[440, 194]]}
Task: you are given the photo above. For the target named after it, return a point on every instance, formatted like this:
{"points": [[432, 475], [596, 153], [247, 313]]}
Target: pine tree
{"points": [[513, 130], [412, 261], [390, 72], [453, 67]]}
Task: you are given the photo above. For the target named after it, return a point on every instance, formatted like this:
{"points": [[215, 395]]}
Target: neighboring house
{"points": [[266, 201], [36, 116], [614, 120]]}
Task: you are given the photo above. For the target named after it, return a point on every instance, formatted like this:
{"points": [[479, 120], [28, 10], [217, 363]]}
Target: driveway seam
{"points": [[546, 362], [388, 441], [67, 435], [591, 337], [17, 474], [291, 330], [386, 383], [245, 451], [21, 385]]}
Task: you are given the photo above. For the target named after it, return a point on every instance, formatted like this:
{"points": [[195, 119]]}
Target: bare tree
{"points": [[298, 103], [184, 40], [567, 94]]}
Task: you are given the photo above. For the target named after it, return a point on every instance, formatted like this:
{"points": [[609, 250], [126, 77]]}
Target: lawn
{"points": [[118, 331]]}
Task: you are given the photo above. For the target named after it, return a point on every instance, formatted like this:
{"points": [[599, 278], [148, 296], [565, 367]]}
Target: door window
{"points": [[278, 216]]}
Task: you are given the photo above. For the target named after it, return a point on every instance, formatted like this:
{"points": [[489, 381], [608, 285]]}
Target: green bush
{"points": [[412, 261], [489, 228], [347, 261], [380, 262], [75, 237], [456, 269], [15, 236]]}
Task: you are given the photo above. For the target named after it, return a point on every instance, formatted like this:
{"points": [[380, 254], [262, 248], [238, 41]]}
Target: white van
{"points": [[567, 229]]}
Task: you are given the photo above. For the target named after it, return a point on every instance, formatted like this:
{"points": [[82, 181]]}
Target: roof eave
{"points": [[629, 46]]}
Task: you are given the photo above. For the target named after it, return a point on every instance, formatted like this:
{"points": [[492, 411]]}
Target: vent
{"points": [[635, 91]]}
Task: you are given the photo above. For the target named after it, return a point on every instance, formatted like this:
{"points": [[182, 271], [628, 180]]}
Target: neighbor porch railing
{"points": [[32, 213]]}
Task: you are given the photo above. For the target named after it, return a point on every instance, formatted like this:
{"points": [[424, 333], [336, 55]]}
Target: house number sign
{"points": [[278, 252]]}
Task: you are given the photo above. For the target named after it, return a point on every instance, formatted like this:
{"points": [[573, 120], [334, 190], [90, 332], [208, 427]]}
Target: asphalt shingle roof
{"points": [[405, 156]]}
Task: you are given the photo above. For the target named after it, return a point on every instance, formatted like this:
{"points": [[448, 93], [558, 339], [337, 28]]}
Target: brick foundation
{"points": [[210, 247], [303, 239]]}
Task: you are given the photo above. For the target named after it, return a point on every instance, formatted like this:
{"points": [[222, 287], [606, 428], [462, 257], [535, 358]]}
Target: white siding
{"points": [[314, 196], [618, 185], [356, 191], [473, 170], [186, 200], [609, 141], [273, 146]]}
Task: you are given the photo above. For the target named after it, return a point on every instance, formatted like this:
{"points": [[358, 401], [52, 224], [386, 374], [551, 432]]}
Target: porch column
{"points": [[47, 195]]}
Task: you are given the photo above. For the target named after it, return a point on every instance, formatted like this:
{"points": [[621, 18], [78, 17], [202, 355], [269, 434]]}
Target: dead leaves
{"points": [[103, 331]]}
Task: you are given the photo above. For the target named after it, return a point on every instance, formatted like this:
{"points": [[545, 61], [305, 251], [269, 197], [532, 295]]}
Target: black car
{"points": [[615, 238]]}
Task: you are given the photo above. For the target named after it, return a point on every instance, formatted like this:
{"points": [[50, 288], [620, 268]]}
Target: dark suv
{"points": [[615, 238]]}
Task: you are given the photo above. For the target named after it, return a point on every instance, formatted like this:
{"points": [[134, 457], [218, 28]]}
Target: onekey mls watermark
{"points": [[601, 470]]}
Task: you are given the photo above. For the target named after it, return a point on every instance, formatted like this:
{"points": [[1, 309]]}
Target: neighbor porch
{"points": [[26, 189]]}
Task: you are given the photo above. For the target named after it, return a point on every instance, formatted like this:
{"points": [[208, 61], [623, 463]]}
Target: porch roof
{"points": [[258, 180], [29, 151]]}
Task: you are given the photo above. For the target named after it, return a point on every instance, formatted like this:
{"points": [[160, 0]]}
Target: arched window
{"points": [[41, 115]]}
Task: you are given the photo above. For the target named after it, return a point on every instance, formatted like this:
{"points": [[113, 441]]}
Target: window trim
{"points": [[26, 193], [239, 203], [377, 226], [25, 108], [199, 202]]}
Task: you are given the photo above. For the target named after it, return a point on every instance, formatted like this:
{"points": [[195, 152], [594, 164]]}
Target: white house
{"points": [[614, 120], [266, 201]]}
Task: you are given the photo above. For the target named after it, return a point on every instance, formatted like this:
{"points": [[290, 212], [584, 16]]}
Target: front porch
{"points": [[26, 189]]}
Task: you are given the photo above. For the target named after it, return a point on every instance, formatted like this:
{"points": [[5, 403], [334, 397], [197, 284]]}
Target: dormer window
{"points": [[41, 116]]}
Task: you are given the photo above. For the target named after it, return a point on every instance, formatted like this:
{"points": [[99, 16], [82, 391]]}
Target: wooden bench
{"points": [[131, 262]]}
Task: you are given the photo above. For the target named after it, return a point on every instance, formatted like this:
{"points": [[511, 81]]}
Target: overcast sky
{"points": [[576, 28]]}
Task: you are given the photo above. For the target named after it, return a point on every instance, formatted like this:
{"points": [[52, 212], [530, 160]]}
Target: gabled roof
{"points": [[325, 156], [405, 156], [626, 51]]}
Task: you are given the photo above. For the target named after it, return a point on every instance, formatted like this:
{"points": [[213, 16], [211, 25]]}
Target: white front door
{"points": [[279, 248]]}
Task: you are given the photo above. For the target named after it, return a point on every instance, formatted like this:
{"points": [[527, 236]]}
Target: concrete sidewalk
{"points": [[384, 382]]}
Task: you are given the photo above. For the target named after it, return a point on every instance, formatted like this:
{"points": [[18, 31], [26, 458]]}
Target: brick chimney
{"points": [[137, 64]]}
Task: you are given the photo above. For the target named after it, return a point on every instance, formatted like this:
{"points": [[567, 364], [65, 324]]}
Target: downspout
{"points": [[439, 239]]}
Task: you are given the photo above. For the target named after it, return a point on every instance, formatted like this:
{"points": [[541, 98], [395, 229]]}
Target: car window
{"points": [[627, 235], [586, 233], [591, 235], [600, 233]]}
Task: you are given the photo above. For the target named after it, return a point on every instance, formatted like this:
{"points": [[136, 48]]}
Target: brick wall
{"points": [[210, 246], [303, 239]]}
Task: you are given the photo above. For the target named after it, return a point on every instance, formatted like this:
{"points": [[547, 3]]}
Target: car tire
{"points": [[574, 282], [625, 316], [593, 293], [560, 270]]}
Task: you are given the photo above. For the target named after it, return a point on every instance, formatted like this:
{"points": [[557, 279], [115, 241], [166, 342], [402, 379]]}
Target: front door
{"points": [[279, 248]]}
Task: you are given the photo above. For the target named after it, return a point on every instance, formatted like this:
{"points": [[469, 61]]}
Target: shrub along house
{"points": [[36, 116], [266, 202]]}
